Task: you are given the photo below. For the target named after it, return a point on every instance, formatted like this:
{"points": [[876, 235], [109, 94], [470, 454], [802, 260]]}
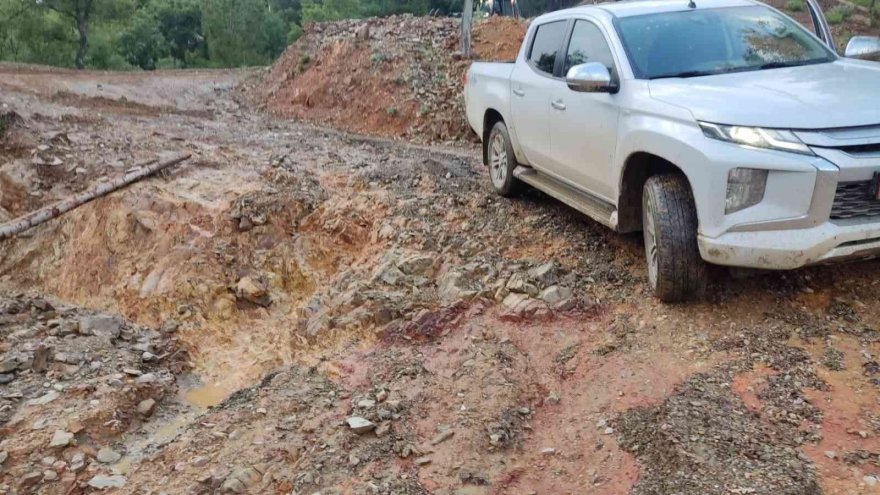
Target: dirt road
{"points": [[305, 311]]}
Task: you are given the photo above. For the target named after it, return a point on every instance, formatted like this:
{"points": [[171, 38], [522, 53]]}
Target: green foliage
{"points": [[294, 33], [103, 53], [273, 39], [180, 22], [330, 10], [795, 5], [32, 35], [236, 32], [124, 34], [838, 14], [142, 43], [378, 57], [289, 10], [303, 62]]}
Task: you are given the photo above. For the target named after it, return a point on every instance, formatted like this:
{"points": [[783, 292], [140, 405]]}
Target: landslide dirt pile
{"points": [[396, 76]]}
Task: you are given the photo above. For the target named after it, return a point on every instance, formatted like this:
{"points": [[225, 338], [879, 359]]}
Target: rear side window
{"points": [[587, 45], [548, 39]]}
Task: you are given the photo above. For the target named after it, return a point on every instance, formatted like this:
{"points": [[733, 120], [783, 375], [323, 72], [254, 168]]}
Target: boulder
{"points": [[253, 290], [106, 326]]}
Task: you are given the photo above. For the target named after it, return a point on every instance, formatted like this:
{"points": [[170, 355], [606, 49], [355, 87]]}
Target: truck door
{"points": [[531, 84], [583, 126]]}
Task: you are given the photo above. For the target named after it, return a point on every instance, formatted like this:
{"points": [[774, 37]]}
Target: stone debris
{"points": [[61, 439], [253, 290], [108, 456], [360, 425], [106, 326], [104, 482], [145, 407], [442, 437]]}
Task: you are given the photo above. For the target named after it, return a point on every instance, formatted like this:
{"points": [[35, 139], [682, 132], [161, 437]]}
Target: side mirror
{"points": [[592, 77], [864, 47]]}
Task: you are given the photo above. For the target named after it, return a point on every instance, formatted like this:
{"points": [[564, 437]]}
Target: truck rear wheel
{"points": [[502, 161], [669, 221]]}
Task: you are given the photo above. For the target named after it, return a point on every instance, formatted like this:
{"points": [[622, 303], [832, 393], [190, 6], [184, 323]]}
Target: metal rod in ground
{"points": [[47, 213]]}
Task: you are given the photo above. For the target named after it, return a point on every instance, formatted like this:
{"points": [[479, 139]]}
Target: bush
{"points": [[795, 6], [142, 43], [294, 33], [304, 62], [838, 15], [103, 55]]}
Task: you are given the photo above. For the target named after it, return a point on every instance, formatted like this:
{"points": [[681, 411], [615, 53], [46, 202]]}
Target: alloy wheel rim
{"points": [[498, 161]]}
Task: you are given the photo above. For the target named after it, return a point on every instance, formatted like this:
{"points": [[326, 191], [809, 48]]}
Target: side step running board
{"points": [[595, 208]]}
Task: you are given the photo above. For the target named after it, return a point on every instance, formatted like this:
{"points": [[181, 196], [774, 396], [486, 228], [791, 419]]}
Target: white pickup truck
{"points": [[723, 129]]}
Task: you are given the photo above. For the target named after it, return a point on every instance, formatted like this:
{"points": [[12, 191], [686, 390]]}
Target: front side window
{"points": [[548, 38], [715, 41], [587, 45]]}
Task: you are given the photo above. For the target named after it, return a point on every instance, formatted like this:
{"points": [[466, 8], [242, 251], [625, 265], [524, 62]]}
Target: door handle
{"points": [[519, 92], [558, 105]]}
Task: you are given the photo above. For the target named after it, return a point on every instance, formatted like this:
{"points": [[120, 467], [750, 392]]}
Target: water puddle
{"points": [[206, 395], [194, 398]]}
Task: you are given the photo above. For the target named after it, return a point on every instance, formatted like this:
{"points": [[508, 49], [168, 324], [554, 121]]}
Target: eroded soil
{"points": [[288, 278]]}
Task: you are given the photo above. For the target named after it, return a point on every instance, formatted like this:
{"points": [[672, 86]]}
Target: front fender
{"points": [[706, 163]]}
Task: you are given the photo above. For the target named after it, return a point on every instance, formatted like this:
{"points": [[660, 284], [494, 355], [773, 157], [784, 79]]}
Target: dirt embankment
{"points": [[396, 77]]}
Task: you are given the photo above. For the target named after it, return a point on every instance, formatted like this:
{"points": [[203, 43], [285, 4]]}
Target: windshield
{"points": [[716, 41]]}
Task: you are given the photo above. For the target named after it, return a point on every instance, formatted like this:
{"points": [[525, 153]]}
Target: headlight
{"points": [[745, 188], [773, 139]]}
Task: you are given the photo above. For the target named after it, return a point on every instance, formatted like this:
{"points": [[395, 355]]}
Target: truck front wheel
{"points": [[669, 222], [502, 161]]}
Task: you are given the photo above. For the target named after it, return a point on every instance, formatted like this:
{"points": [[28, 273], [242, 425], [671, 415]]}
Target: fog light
{"points": [[745, 188]]}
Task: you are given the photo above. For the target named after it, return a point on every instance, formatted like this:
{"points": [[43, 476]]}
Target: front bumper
{"points": [[790, 249], [793, 226]]}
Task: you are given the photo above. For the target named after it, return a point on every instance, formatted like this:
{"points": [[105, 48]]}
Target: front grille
{"points": [[854, 200], [861, 149]]}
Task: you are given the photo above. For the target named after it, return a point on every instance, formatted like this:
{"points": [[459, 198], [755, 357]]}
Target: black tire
{"points": [[669, 220], [501, 165]]}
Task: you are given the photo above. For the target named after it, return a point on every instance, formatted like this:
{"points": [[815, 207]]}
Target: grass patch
{"points": [[838, 15], [795, 5], [304, 62]]}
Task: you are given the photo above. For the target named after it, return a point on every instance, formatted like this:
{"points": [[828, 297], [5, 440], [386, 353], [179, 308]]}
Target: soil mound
{"points": [[397, 76]]}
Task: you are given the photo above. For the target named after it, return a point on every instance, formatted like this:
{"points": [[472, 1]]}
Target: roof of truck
{"points": [[629, 8]]}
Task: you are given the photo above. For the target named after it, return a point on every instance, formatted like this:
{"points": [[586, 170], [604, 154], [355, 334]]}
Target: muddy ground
{"points": [[298, 310]]}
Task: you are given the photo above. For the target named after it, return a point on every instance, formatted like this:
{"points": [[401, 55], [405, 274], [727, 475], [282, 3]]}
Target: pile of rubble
{"points": [[399, 76], [73, 382]]}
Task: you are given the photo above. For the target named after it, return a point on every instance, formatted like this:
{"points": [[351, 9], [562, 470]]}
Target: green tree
{"points": [[180, 22], [330, 10], [32, 34], [273, 36], [289, 10], [80, 11], [142, 43], [236, 32]]}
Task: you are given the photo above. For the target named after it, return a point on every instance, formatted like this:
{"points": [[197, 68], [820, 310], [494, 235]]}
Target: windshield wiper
{"points": [[687, 73], [792, 63]]}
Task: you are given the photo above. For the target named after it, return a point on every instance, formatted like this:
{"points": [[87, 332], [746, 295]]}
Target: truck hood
{"points": [[845, 93]]}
